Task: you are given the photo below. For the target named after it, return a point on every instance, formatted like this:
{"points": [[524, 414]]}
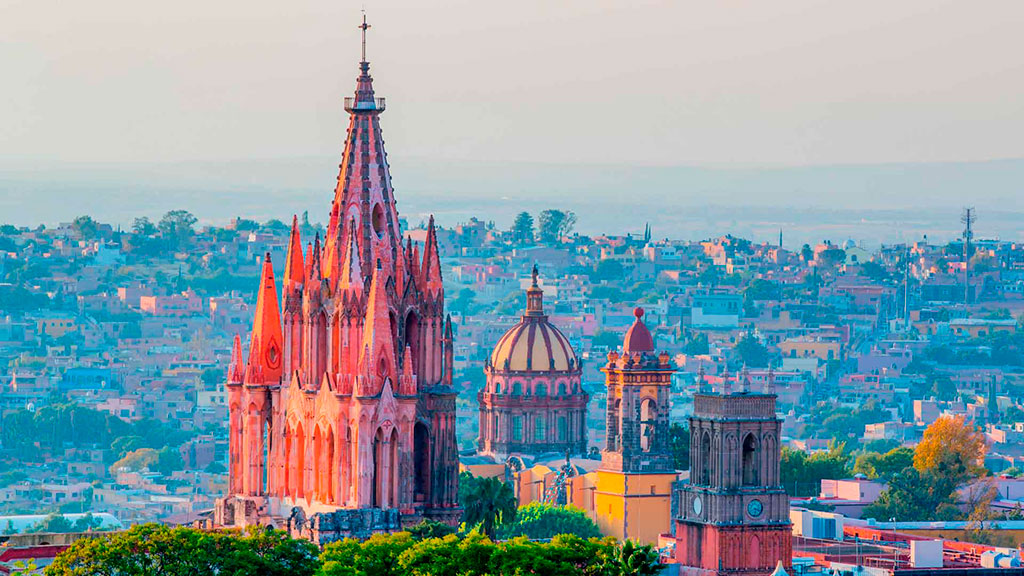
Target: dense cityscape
{"points": [[347, 392]]}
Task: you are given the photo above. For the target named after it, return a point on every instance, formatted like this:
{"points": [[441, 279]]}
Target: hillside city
{"points": [[114, 346]]}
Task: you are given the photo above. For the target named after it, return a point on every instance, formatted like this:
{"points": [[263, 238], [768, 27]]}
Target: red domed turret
{"points": [[638, 337]]}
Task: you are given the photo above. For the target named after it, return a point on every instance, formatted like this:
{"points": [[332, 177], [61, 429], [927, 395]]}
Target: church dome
{"points": [[534, 344], [638, 337]]}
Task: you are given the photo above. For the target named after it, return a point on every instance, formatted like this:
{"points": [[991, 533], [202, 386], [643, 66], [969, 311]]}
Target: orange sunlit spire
{"points": [[265, 346], [294, 267]]}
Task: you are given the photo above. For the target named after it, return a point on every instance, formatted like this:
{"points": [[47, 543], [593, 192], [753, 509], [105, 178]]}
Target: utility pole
{"points": [[906, 290], [968, 218]]}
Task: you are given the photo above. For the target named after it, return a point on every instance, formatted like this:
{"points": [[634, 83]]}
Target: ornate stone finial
{"points": [[744, 379], [770, 386], [534, 297], [700, 376], [726, 381]]}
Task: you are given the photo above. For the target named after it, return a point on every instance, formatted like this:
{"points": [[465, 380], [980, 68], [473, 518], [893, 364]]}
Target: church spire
{"points": [[294, 267], [265, 347], [364, 100], [431, 260]]}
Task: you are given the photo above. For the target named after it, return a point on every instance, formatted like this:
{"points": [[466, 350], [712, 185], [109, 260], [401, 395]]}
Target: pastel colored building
{"points": [[733, 515], [533, 402], [342, 420], [633, 485]]}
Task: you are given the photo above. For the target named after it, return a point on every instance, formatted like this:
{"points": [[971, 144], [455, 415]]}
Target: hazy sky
{"points": [[707, 82]]}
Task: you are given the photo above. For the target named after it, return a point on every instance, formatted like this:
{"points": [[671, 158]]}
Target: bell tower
{"points": [[634, 482], [733, 516]]}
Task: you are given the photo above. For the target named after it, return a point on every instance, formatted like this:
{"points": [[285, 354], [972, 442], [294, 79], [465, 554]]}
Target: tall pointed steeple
{"points": [[431, 260], [236, 370], [266, 345], [364, 195], [294, 267]]}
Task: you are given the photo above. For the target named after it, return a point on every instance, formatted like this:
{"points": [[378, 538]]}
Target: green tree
{"points": [[537, 520], [636, 560], [135, 461], [85, 227], [168, 460], [874, 271], [608, 269], [606, 338], [832, 256], [806, 253], [943, 387], [463, 303], [761, 289], [147, 549], [430, 529], [752, 352], [914, 496], [522, 229], [377, 556], [884, 466], [488, 503], [177, 227], [679, 440], [553, 224], [275, 226], [122, 445], [802, 473], [53, 523], [697, 345], [143, 227]]}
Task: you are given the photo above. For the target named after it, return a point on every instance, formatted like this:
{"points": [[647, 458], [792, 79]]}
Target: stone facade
{"points": [[733, 516], [633, 485], [343, 415], [534, 402]]}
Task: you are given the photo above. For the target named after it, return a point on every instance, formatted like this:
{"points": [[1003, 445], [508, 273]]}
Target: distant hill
{"points": [[872, 203]]}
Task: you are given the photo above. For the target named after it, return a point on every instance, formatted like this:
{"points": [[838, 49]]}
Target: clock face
{"points": [[697, 505], [754, 508]]}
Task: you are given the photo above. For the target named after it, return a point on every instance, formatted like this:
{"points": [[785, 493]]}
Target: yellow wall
{"points": [[56, 327], [634, 506]]}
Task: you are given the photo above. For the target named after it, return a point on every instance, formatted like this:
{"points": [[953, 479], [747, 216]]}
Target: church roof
{"points": [[638, 337], [534, 344]]}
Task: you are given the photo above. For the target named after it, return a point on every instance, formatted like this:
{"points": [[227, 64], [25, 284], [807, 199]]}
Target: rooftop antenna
{"points": [[364, 27], [968, 218]]}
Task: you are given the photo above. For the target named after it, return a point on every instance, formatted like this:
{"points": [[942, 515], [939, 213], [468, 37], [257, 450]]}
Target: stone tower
{"points": [[634, 482], [342, 420], [733, 516]]}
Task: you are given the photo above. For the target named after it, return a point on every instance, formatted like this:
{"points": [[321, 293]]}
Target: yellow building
{"points": [[632, 489], [821, 346], [56, 325]]}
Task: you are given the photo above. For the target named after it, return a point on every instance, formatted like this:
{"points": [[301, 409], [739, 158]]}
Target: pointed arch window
{"points": [[751, 472]]}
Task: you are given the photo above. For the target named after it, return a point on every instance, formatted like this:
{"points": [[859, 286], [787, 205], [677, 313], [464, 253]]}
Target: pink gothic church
{"points": [[342, 420]]}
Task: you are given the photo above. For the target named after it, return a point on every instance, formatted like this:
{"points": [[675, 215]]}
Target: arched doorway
{"points": [[300, 461], [421, 462], [412, 339], [378, 460], [392, 480]]}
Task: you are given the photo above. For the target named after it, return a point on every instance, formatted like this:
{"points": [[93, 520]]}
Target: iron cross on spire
{"points": [[364, 27]]}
